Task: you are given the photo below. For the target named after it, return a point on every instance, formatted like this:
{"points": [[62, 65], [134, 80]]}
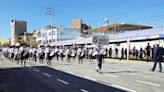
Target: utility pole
{"points": [[50, 12]]}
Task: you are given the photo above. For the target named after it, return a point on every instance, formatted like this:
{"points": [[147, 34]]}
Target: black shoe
{"points": [[151, 70], [100, 73], [160, 71]]}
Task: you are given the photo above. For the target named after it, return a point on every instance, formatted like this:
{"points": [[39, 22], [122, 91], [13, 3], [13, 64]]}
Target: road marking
{"points": [[112, 75], [148, 83], [46, 74], [62, 81], [83, 90], [123, 88], [36, 70], [89, 78]]}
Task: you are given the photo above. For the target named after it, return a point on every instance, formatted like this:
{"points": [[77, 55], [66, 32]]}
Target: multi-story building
{"points": [[44, 35], [18, 27]]}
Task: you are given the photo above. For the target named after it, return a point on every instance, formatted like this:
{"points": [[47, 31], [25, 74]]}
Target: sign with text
{"points": [[100, 39]]}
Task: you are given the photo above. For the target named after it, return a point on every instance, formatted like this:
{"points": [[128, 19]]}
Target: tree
{"points": [[31, 42]]}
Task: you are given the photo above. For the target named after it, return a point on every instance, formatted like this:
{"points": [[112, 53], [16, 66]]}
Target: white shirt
{"points": [[47, 50], [61, 50], [79, 51]]}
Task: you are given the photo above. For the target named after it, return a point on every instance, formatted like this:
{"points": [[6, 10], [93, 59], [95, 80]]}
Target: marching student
{"points": [[34, 54], [68, 54], [57, 53], [99, 58], [47, 54], [40, 54], [90, 54], [73, 53], [61, 52]]}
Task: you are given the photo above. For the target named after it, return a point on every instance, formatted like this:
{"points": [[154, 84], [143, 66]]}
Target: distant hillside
{"points": [[3, 41]]}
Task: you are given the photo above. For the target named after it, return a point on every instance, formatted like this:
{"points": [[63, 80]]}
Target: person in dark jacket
{"points": [[158, 57]]}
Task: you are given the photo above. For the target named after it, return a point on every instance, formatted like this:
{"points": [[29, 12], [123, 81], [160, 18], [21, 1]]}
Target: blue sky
{"points": [[91, 12]]}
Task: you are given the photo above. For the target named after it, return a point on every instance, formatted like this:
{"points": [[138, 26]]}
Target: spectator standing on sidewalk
{"points": [[148, 48]]}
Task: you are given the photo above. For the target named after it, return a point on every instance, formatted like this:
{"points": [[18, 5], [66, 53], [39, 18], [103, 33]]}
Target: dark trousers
{"points": [[99, 59], [155, 64]]}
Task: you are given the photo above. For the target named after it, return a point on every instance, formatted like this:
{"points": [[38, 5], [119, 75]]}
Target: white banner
{"points": [[100, 40]]}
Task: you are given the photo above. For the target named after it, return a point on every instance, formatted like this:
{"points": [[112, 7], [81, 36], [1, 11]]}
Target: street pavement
{"points": [[45, 79], [118, 76]]}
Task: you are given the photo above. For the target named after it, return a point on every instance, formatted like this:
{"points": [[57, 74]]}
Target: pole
{"points": [[128, 49], [50, 11], [52, 27]]}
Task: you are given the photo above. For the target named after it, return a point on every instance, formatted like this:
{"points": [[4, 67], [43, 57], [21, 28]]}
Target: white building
{"points": [[44, 35]]}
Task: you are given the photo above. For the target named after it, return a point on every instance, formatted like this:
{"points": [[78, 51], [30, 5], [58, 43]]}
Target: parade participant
{"points": [[57, 53], [79, 53], [11, 50], [17, 54], [100, 52], [73, 53], [25, 54], [47, 53], [34, 54], [68, 54], [40, 53], [61, 53], [90, 54], [21, 53]]}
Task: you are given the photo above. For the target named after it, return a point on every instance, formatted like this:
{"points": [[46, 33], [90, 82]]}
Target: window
{"points": [[49, 33]]}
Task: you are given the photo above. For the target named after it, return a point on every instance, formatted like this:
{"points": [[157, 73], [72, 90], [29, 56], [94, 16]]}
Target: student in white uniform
{"points": [[100, 58], [47, 53], [61, 53]]}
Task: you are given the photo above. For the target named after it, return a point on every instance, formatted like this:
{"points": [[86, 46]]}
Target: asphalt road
{"points": [[118, 76], [46, 79]]}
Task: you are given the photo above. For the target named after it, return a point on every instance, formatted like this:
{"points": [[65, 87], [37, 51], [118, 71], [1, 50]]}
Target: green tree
{"points": [[31, 42]]}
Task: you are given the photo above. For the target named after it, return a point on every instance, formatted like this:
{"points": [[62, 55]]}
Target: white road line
{"points": [[148, 83], [46, 74], [36, 70], [89, 78], [83, 90], [112, 75], [62, 81], [123, 88]]}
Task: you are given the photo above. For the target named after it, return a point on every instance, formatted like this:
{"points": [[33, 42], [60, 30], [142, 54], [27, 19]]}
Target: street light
{"points": [[50, 11]]}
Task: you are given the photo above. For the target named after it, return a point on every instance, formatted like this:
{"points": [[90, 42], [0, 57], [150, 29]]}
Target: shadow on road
{"points": [[24, 79]]}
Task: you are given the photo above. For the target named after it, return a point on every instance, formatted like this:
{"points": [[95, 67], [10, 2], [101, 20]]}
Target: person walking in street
{"points": [[158, 53], [99, 58], [47, 53]]}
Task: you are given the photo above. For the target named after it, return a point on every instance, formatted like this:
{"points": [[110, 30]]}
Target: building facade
{"points": [[44, 35], [119, 28], [18, 27]]}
